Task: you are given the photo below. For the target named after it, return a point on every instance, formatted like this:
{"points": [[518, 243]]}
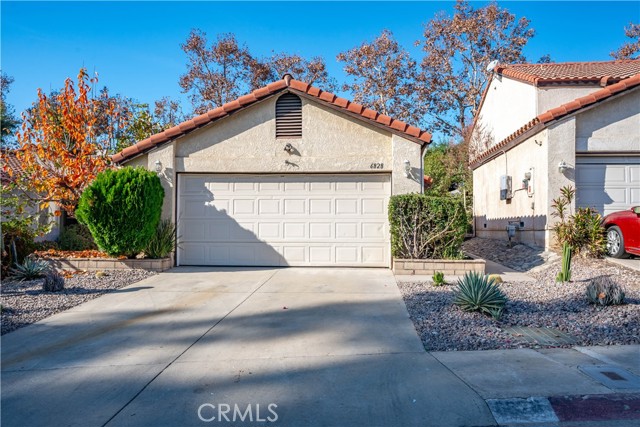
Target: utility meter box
{"points": [[505, 187]]}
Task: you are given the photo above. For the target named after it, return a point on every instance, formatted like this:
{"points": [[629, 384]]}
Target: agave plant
{"points": [[476, 292], [30, 269]]}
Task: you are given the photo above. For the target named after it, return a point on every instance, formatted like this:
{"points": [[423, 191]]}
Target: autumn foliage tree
{"points": [[225, 69], [383, 78], [63, 145], [631, 49], [457, 50]]}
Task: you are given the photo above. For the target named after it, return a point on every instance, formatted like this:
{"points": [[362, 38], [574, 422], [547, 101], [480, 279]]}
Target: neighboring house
{"points": [[546, 126], [287, 175], [45, 216]]}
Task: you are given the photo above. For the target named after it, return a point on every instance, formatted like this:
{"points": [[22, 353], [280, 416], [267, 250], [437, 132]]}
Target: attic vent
{"points": [[289, 116]]}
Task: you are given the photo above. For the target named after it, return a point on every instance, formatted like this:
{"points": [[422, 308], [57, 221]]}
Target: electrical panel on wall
{"points": [[505, 187], [530, 183]]}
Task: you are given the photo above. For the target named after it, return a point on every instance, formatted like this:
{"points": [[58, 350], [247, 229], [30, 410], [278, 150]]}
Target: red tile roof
{"points": [[10, 167], [286, 84], [542, 120], [602, 73]]}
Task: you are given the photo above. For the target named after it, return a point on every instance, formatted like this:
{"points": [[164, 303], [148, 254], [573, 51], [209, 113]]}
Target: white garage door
{"points": [[277, 220], [608, 184]]}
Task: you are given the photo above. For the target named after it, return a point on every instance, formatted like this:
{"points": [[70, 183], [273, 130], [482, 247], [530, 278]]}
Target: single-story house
{"points": [[541, 127], [286, 175], [11, 167]]}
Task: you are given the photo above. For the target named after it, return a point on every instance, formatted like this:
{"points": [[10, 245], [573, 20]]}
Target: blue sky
{"points": [[135, 46]]}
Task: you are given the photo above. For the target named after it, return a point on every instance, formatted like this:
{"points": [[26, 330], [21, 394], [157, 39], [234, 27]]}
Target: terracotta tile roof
{"points": [[542, 120], [9, 163], [602, 73], [287, 83]]}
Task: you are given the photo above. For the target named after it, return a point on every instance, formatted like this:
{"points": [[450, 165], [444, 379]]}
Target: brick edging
{"points": [[99, 264], [454, 267]]}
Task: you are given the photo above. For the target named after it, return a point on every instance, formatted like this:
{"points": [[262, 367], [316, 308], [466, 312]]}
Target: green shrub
{"points": [[163, 241], [426, 226], [438, 278], [122, 209], [476, 292], [53, 282], [29, 269], [583, 231], [604, 291], [76, 237]]}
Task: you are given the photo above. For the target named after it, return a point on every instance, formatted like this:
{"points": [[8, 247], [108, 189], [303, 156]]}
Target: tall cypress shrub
{"points": [[122, 209]]}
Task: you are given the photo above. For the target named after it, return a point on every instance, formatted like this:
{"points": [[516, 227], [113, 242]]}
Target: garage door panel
{"points": [[295, 206], [283, 220], [607, 184], [634, 174], [347, 230]]}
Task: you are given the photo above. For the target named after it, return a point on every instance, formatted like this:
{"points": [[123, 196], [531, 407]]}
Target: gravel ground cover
{"points": [[519, 257], [543, 303], [25, 302]]}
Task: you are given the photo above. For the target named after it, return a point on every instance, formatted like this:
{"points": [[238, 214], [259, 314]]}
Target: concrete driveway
{"points": [[200, 346]]}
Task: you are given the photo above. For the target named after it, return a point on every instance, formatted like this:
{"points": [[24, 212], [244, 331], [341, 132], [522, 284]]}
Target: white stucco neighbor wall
{"points": [[492, 215], [332, 142], [612, 126], [554, 96], [508, 105]]}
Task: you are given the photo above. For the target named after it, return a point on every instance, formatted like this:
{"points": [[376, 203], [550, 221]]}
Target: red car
{"points": [[623, 232]]}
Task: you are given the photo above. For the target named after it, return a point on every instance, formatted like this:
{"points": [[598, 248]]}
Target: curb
{"points": [[623, 407]]}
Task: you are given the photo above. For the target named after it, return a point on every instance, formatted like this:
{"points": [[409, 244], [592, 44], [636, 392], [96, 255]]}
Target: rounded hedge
{"points": [[122, 209]]}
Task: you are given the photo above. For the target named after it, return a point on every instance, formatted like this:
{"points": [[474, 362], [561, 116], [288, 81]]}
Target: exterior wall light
{"points": [[407, 168], [562, 166], [158, 165]]}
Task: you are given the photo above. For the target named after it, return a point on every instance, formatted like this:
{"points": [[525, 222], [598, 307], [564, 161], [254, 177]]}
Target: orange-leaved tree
{"points": [[63, 145]]}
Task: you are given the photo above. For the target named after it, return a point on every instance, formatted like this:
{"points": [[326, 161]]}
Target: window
{"points": [[289, 116]]}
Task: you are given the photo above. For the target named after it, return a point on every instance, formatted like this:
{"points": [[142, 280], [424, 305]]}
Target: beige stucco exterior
{"points": [[245, 142], [492, 215], [611, 127], [508, 104], [618, 120]]}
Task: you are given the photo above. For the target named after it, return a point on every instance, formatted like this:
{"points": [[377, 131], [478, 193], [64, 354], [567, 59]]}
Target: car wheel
{"points": [[615, 242]]}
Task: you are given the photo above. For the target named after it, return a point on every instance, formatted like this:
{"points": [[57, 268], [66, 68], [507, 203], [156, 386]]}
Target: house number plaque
{"points": [[377, 166]]}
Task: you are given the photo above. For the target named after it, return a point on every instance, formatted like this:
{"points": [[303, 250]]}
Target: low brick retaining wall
{"points": [[457, 267], [101, 264]]}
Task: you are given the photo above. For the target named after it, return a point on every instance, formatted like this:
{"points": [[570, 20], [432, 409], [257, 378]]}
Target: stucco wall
{"points": [[406, 150], [612, 126], [554, 96], [245, 143], [508, 105], [492, 215]]}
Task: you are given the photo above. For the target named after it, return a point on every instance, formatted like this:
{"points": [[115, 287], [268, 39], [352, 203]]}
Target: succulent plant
{"points": [[477, 292], [604, 291], [438, 278], [565, 273], [30, 269], [53, 282]]}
